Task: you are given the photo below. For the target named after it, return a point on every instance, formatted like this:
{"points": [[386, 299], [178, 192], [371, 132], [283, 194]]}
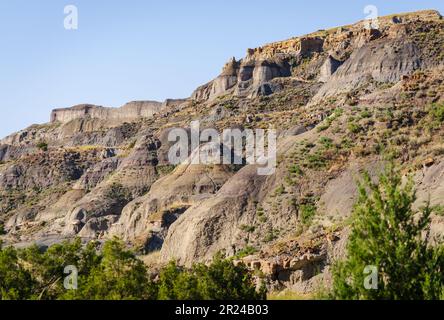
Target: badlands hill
{"points": [[340, 99]]}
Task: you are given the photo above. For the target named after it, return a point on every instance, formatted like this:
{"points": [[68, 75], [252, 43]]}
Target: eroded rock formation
{"points": [[336, 98]]}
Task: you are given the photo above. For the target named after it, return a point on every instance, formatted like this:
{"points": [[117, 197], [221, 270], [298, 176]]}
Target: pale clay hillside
{"points": [[341, 100]]}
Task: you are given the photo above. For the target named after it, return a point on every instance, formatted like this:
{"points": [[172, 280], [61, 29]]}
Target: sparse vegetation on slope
{"points": [[389, 253]]}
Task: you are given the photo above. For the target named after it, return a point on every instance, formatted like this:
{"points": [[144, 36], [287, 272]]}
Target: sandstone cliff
{"points": [[131, 111]]}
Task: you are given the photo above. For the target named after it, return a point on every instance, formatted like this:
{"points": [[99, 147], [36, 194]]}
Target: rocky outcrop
{"points": [[328, 68], [300, 266], [213, 225], [250, 75], [129, 112], [384, 55], [150, 216], [225, 81], [245, 78], [304, 46], [383, 61]]}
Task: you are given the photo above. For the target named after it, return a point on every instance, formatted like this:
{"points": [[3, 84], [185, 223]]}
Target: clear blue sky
{"points": [[136, 50]]}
